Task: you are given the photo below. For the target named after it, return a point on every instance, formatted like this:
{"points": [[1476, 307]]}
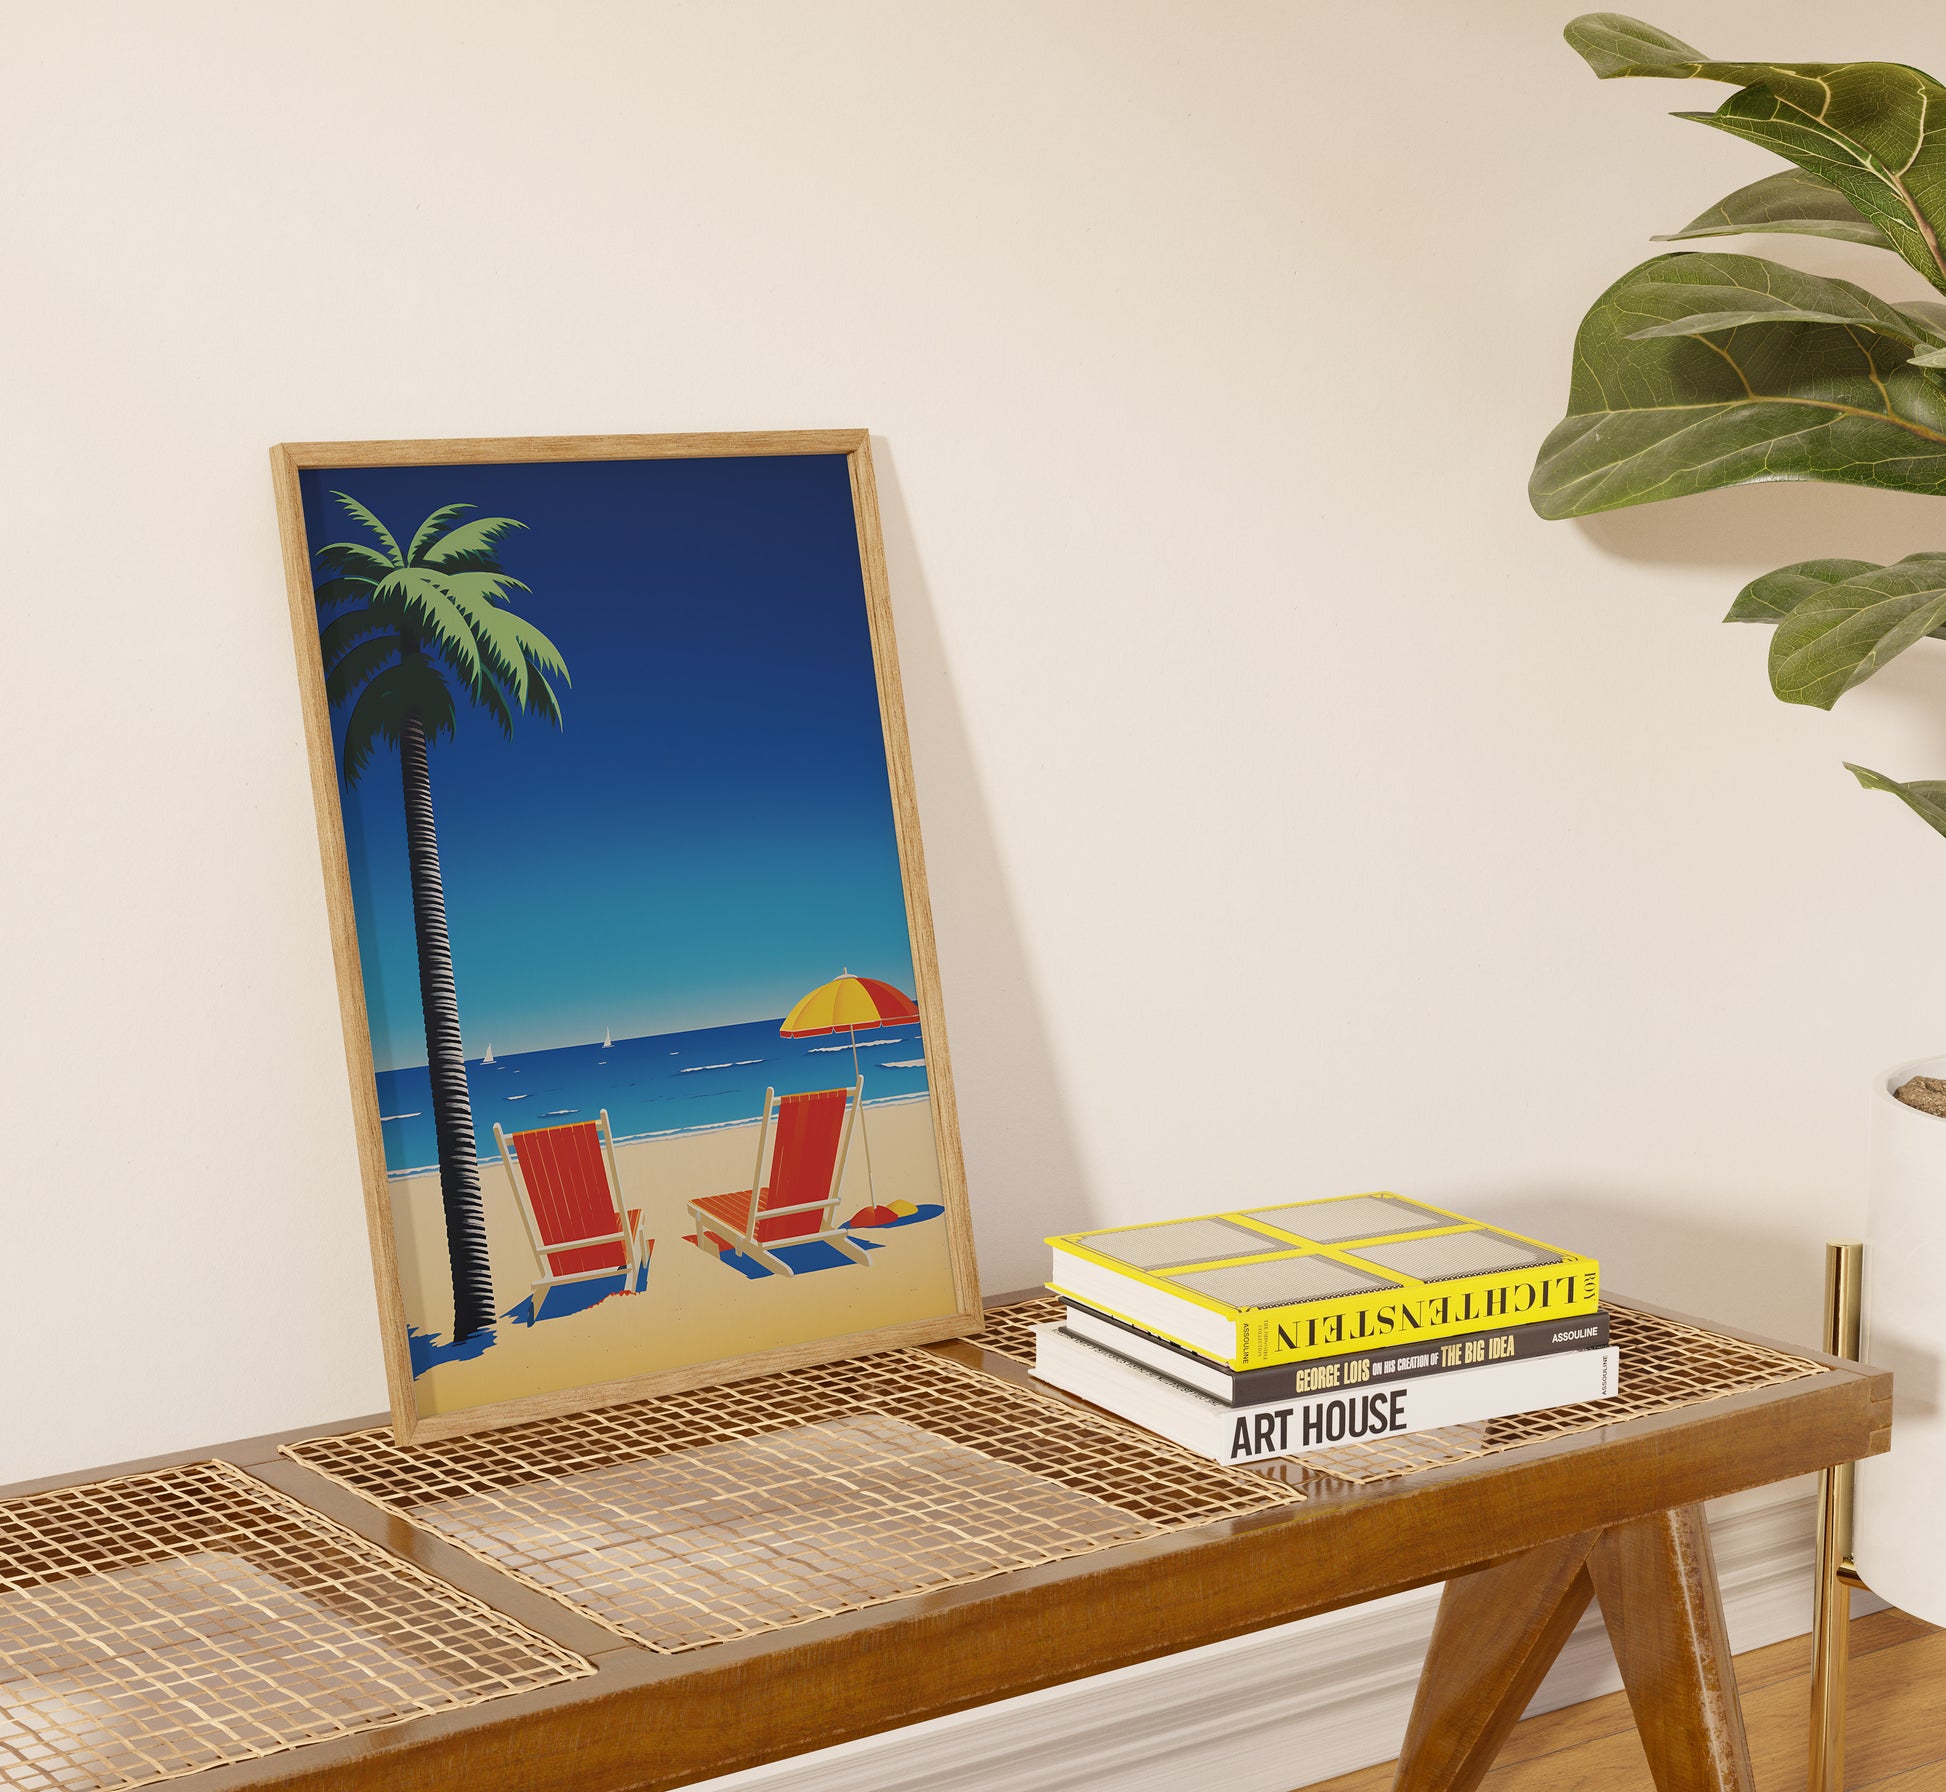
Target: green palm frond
{"points": [[411, 688], [431, 613], [507, 642], [358, 511], [357, 665], [539, 650], [470, 545], [541, 699], [462, 653], [347, 630], [491, 698], [433, 527], [482, 585], [334, 592], [407, 630], [479, 595], [498, 645], [356, 558]]}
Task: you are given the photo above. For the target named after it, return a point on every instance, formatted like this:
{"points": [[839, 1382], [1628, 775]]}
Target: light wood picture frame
{"points": [[627, 896]]}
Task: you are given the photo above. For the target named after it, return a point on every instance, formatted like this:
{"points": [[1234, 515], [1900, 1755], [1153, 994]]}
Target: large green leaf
{"points": [[1728, 291], [1874, 130], [1794, 202], [1662, 416], [1775, 595], [1926, 798], [1839, 634], [1612, 43], [1885, 157]]}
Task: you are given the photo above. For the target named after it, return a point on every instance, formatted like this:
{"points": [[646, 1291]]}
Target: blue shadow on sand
{"points": [[429, 1350], [817, 1254], [803, 1258], [926, 1210]]}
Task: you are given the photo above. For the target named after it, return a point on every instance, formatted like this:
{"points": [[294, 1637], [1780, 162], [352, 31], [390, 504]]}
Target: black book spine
{"points": [[1371, 1368]]}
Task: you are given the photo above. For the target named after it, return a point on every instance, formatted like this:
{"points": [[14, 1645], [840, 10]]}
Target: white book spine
{"points": [[1318, 1421], [1198, 1327]]}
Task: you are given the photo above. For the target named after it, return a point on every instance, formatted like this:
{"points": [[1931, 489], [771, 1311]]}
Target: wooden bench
{"points": [[1523, 1537]]}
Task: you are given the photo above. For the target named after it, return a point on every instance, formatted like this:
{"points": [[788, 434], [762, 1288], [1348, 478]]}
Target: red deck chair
{"points": [[570, 1195], [813, 1133]]}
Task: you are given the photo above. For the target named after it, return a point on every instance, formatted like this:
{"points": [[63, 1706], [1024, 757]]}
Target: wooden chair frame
{"points": [[745, 1241], [627, 1235]]}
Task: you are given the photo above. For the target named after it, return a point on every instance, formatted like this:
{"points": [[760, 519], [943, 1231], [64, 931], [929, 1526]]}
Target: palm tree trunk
{"points": [[452, 1102]]}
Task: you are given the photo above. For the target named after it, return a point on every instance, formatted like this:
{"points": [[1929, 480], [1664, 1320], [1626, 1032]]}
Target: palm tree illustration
{"points": [[402, 633]]}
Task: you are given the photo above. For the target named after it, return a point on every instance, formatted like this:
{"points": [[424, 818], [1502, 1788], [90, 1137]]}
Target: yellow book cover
{"points": [[1304, 1280]]}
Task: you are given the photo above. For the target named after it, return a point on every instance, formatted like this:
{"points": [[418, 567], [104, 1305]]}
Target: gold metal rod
{"points": [[1831, 1600]]}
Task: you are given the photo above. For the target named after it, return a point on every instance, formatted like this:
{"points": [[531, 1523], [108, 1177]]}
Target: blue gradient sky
{"points": [[710, 833]]}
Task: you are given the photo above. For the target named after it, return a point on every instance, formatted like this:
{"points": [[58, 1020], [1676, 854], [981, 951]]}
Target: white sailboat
{"points": [[488, 1059], [607, 1039]]}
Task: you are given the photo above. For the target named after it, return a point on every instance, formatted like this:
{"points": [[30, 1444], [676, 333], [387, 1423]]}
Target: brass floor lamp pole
{"points": [[1831, 1609]]}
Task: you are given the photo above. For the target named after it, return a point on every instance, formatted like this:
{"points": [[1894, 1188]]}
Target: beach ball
{"points": [[871, 1216], [904, 1209]]}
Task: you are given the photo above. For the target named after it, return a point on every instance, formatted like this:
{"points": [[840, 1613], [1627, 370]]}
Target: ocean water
{"points": [[659, 1084]]}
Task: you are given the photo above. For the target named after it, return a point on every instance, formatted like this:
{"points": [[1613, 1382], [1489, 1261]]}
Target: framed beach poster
{"points": [[629, 913]]}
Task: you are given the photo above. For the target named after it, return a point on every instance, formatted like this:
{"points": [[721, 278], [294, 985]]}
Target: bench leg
{"points": [[1497, 1633], [1656, 1582]]}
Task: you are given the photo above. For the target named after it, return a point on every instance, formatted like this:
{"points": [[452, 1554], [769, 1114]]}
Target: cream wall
{"points": [[1304, 816]]}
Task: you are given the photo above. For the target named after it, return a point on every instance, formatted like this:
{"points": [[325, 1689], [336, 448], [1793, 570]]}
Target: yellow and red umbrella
{"points": [[844, 1005], [847, 1003]]}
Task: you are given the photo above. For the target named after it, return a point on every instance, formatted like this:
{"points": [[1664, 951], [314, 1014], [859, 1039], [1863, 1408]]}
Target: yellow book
{"points": [[1310, 1279]]}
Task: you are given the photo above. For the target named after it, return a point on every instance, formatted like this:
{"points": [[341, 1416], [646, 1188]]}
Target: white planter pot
{"points": [[1900, 1538]]}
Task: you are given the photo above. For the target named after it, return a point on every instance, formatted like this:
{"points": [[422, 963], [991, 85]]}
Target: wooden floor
{"points": [[1895, 1741]]}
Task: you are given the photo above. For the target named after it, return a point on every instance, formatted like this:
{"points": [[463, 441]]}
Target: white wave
{"points": [[691, 1071], [674, 1132], [518, 1097], [416, 1112], [555, 1113], [902, 1064], [743, 1061], [827, 1048]]}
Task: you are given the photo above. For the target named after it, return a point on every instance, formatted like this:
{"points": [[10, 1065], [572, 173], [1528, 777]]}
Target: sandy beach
{"points": [[695, 1308]]}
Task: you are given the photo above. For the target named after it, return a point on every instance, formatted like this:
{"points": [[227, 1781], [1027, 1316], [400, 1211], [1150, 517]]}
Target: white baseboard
{"points": [[1280, 1708]]}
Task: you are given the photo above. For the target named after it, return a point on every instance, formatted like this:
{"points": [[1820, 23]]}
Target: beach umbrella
{"points": [[844, 1005]]}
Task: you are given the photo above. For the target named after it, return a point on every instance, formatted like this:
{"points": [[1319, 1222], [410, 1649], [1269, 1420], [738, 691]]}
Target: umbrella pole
{"points": [[871, 1187]]}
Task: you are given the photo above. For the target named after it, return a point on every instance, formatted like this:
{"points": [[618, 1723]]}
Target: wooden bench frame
{"points": [[1523, 1539]]}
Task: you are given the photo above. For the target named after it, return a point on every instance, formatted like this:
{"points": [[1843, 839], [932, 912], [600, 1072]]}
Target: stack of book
{"points": [[1272, 1331]]}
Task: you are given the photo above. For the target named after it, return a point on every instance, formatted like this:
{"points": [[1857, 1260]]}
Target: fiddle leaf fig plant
{"points": [[1702, 369]]}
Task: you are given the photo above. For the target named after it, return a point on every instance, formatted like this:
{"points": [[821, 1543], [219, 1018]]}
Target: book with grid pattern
{"points": [[1298, 1281]]}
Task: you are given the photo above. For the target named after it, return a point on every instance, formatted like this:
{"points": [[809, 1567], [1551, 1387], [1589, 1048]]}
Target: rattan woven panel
{"points": [[163, 1623], [722, 1513], [1009, 1331], [1665, 1364]]}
